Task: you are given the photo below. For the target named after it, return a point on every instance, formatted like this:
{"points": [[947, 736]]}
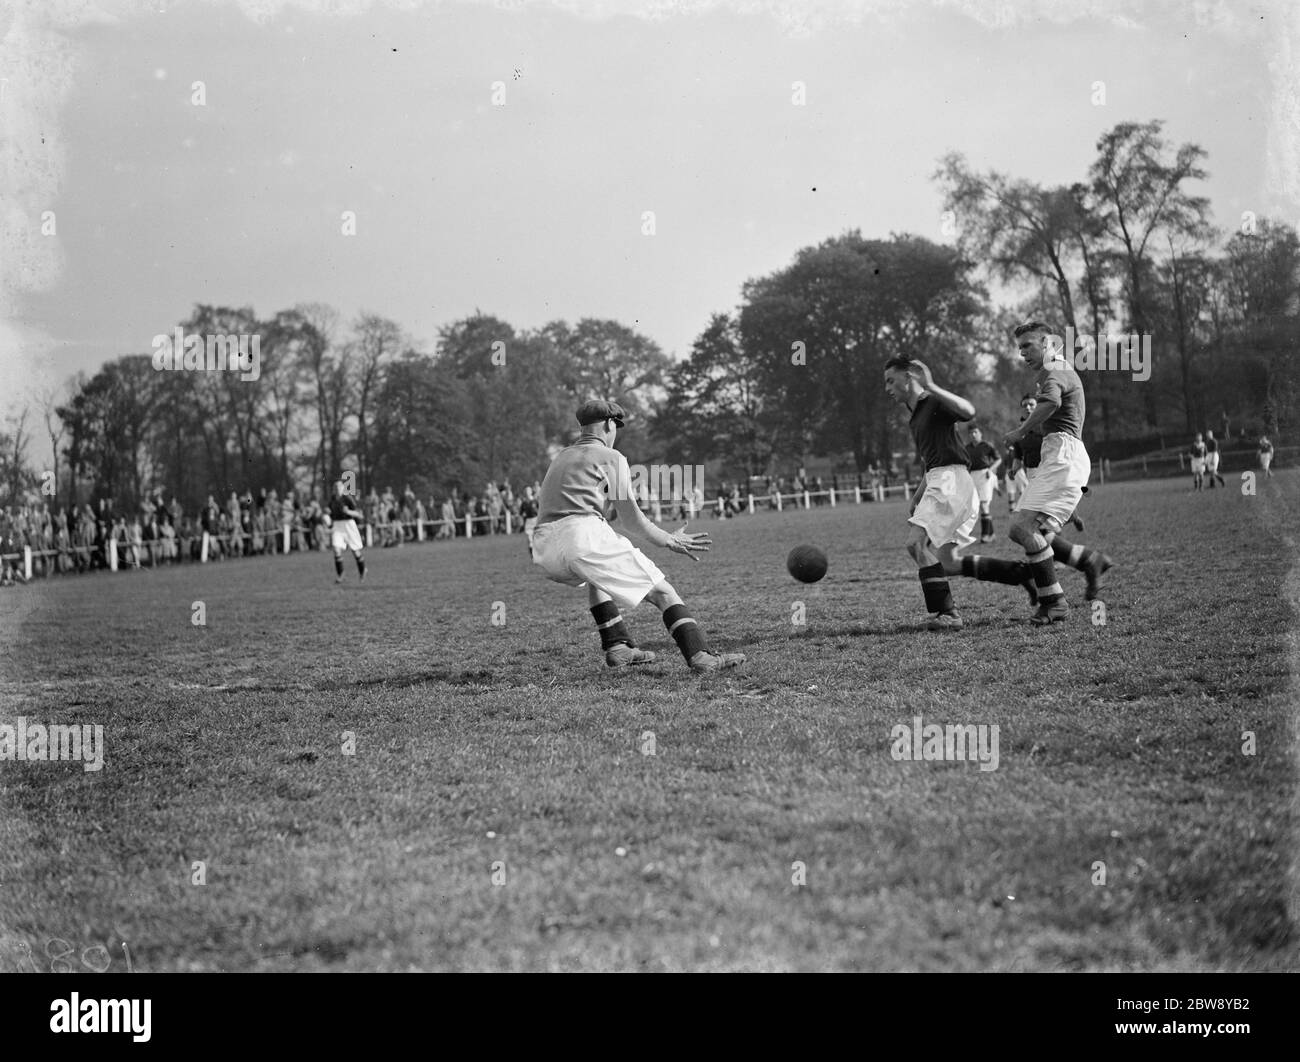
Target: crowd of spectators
{"points": [[158, 531]]}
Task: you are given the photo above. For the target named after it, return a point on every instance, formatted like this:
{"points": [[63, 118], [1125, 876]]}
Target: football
{"points": [[806, 563]]}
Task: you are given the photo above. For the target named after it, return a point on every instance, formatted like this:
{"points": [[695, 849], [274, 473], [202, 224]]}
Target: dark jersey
{"points": [[982, 455], [934, 430], [528, 508], [1198, 450], [1212, 445], [339, 506], [1029, 450], [1062, 386]]}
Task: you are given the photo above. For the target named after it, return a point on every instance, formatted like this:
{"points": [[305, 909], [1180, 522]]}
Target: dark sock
{"points": [[338, 565], [934, 585], [1043, 565], [613, 631], [993, 570], [685, 631], [361, 565], [1076, 556], [986, 525]]}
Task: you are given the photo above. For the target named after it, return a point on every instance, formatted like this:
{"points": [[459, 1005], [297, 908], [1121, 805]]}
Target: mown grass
{"points": [[479, 744]]}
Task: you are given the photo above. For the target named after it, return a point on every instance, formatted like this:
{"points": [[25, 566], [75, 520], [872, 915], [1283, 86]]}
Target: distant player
{"points": [[1198, 453], [1212, 459], [1018, 475], [1266, 456], [574, 544], [528, 510], [345, 511], [944, 508], [984, 463], [1057, 485]]}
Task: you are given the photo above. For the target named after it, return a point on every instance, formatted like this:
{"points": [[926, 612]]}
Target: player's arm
{"points": [[1049, 401], [954, 404], [681, 541]]}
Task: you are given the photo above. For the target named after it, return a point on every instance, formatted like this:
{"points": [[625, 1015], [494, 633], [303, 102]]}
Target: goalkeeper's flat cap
{"points": [[597, 410]]}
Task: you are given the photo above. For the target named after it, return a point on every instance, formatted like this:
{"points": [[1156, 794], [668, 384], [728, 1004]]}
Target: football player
{"points": [[1057, 485], [345, 511], [984, 462], [1198, 453], [587, 484], [943, 510]]}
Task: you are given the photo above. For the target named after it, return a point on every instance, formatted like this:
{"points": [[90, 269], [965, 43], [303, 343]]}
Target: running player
{"points": [[574, 544], [984, 462], [1212, 459], [943, 509], [345, 511], [1266, 456], [1057, 485]]}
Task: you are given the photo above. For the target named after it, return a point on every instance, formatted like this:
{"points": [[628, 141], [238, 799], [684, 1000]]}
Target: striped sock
{"points": [[993, 570], [934, 585], [1043, 565], [610, 624], [1074, 555], [685, 631]]}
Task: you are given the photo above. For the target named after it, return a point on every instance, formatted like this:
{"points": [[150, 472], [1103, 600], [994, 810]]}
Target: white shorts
{"points": [[1056, 487], [1198, 466], [344, 535], [1212, 462], [584, 549], [985, 481], [949, 507], [530, 526], [1265, 460], [1016, 485]]}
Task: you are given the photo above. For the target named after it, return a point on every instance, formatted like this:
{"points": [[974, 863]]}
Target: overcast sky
{"points": [[533, 210]]}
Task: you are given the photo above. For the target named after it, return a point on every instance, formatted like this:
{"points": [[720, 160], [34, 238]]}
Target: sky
{"points": [[534, 209]]}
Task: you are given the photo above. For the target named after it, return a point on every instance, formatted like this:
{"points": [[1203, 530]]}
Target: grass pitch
{"points": [[500, 808]]}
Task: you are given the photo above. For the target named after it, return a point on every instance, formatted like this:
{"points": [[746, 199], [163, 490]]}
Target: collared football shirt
{"points": [[583, 480]]}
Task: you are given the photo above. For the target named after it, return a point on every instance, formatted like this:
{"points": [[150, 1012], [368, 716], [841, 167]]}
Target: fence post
{"points": [[832, 497], [285, 532], [807, 501], [469, 526], [507, 521], [112, 553], [857, 495], [370, 535], [419, 529], [27, 562], [778, 501], [751, 505]]}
